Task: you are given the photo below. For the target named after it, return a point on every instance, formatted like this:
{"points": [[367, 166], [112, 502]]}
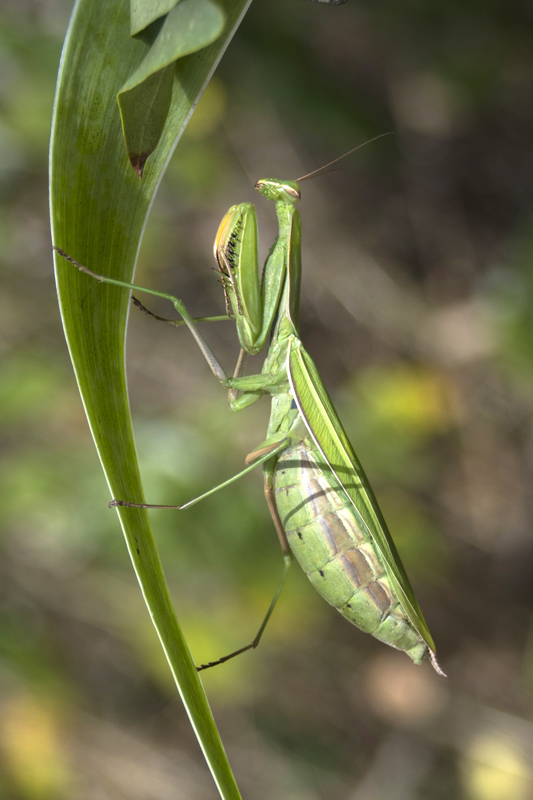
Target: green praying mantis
{"points": [[321, 502]]}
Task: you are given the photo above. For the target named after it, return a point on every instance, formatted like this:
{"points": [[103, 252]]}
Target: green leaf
{"points": [[144, 99], [144, 112], [144, 12], [98, 213]]}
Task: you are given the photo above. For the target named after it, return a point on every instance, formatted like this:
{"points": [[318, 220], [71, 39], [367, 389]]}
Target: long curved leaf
{"points": [[144, 12], [145, 98], [98, 212]]}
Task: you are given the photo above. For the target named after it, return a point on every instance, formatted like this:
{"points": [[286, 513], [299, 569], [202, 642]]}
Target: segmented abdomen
{"points": [[338, 556]]}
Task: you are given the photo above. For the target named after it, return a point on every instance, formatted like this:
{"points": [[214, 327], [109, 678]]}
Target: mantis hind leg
{"points": [[268, 471], [288, 560], [258, 456]]}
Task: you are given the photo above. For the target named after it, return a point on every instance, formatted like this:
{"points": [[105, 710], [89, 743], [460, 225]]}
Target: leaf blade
{"points": [[144, 12], [144, 99], [98, 213]]}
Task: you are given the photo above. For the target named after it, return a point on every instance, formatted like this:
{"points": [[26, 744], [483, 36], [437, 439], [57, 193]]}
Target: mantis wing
{"points": [[320, 417]]}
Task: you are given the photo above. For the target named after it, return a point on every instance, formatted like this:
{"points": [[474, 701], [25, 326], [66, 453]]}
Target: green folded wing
{"points": [[329, 436]]}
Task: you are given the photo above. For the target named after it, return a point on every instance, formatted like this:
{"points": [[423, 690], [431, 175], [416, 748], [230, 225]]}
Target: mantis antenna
{"points": [[316, 171]]}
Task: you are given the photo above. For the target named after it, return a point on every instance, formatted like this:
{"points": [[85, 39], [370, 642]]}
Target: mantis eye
{"points": [[292, 191]]}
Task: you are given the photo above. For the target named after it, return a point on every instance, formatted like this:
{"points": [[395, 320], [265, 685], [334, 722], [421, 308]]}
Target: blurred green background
{"points": [[416, 307]]}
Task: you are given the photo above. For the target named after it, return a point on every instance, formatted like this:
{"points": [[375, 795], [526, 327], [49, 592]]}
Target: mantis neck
{"points": [[289, 220]]}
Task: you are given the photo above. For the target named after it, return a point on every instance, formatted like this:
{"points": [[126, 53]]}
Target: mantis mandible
{"points": [[322, 505]]}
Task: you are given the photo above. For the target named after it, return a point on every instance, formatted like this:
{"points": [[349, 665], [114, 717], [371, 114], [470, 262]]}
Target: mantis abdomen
{"points": [[339, 557]]}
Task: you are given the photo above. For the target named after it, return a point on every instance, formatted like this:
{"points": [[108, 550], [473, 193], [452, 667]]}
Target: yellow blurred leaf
{"points": [[494, 769], [32, 750], [408, 396]]}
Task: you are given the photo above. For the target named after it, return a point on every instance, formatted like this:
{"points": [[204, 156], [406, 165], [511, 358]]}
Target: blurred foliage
{"points": [[416, 306]]}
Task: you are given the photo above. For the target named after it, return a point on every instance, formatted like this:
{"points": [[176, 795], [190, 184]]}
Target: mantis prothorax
{"points": [[322, 505]]}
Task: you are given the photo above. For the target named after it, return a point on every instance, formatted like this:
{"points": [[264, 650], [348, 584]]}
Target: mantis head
{"points": [[287, 192]]}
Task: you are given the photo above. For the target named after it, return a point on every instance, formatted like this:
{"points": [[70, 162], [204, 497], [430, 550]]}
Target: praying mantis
{"points": [[321, 502]]}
